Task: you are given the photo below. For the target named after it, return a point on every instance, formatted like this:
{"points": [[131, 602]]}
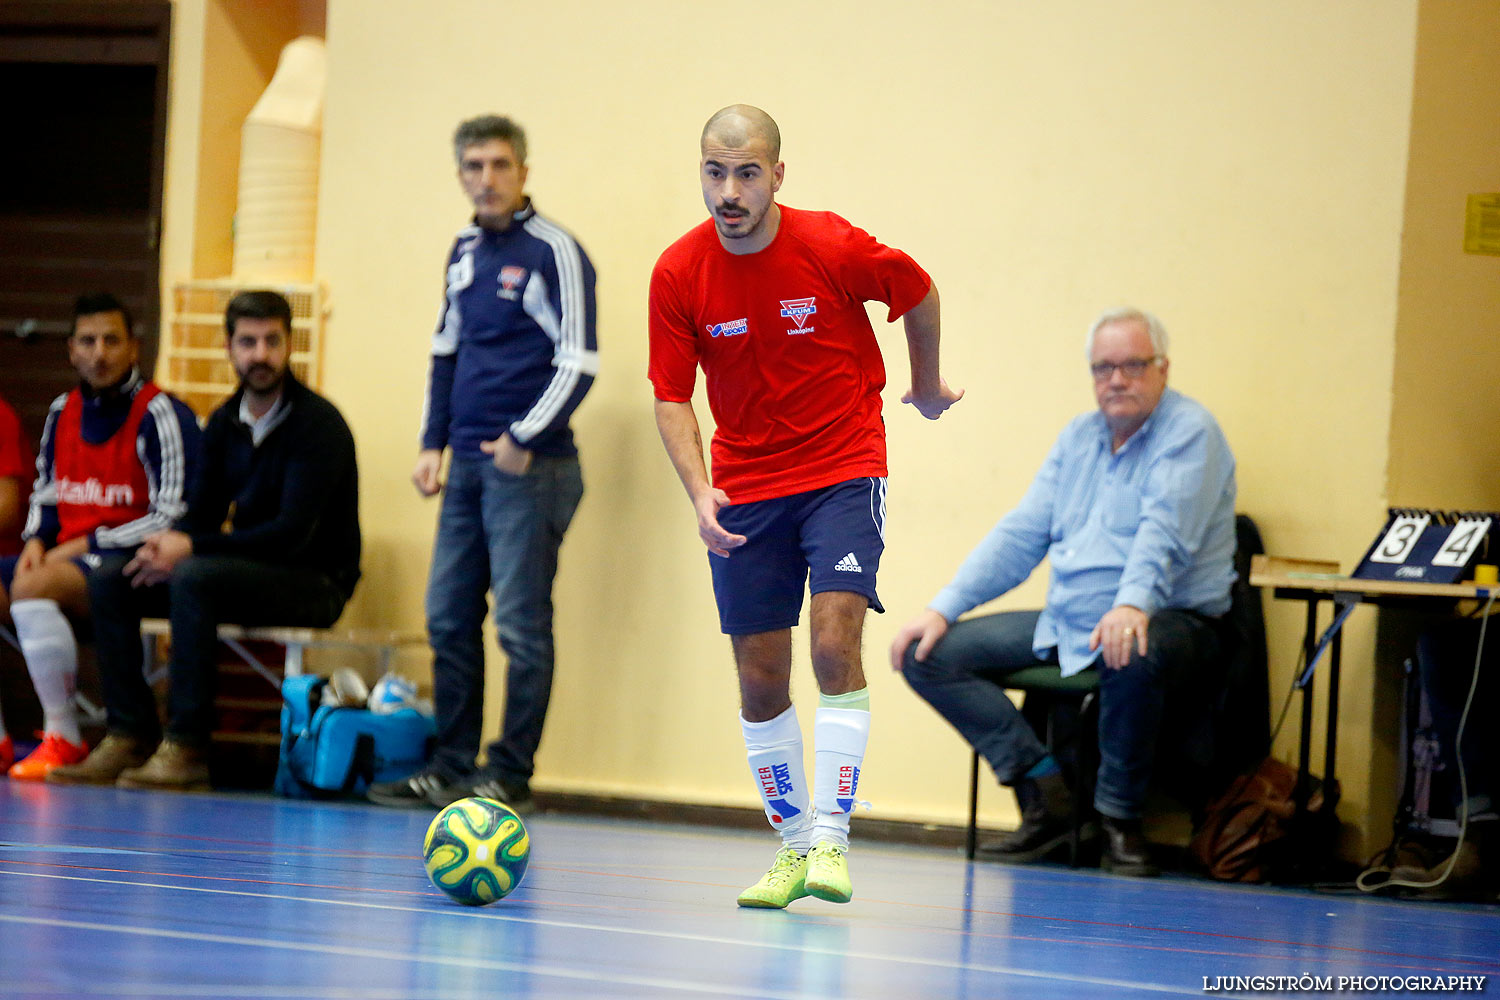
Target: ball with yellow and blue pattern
{"points": [[476, 850]]}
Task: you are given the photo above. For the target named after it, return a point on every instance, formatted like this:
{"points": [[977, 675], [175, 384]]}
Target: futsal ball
{"points": [[476, 851]]}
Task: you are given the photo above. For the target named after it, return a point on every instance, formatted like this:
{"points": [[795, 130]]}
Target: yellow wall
{"points": [[1443, 452], [1240, 170]]}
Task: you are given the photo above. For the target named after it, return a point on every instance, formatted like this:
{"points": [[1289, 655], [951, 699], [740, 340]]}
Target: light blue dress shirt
{"points": [[1151, 525]]}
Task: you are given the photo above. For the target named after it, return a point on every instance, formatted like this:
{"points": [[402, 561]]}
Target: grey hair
{"points": [[487, 127], [1126, 314]]}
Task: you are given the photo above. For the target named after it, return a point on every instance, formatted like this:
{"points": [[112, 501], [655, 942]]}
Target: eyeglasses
{"points": [[1134, 368]]}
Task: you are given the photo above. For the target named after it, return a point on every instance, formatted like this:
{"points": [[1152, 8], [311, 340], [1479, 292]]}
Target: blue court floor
{"points": [[112, 893]]}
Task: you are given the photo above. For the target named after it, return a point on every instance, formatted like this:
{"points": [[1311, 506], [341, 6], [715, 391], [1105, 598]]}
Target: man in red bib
{"points": [[116, 459], [17, 467], [271, 537], [769, 301]]}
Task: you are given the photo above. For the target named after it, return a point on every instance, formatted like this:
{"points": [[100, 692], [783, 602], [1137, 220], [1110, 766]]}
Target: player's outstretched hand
{"points": [[932, 406], [719, 541], [925, 630]]}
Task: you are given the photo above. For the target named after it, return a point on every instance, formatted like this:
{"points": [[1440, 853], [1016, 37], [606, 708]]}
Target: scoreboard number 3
{"points": [[1461, 542], [1402, 537]]}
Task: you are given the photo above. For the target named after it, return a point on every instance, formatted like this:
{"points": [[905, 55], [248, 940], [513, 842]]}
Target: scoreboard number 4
{"points": [[1461, 542]]}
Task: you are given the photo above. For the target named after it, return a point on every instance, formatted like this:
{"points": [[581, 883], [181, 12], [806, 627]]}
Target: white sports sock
{"points": [[839, 738], [775, 751], [51, 654]]}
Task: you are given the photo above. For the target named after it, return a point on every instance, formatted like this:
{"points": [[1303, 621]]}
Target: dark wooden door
{"points": [[83, 109]]}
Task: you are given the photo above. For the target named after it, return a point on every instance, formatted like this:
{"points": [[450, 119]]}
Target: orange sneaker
{"points": [[7, 754], [53, 752]]}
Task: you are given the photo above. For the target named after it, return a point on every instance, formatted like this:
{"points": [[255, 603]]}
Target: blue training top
{"points": [[515, 347]]}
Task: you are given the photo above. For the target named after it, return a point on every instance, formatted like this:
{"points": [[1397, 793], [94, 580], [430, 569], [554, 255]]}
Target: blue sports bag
{"points": [[327, 751]]}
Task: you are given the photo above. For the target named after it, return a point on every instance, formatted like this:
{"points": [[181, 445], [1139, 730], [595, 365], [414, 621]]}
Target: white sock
{"points": [[51, 654], [775, 751], [839, 738]]}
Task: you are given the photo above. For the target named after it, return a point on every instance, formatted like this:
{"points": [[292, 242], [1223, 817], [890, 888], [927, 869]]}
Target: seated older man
{"points": [[1134, 509]]}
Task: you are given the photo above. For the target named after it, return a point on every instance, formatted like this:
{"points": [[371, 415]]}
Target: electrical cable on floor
{"points": [[1463, 784]]}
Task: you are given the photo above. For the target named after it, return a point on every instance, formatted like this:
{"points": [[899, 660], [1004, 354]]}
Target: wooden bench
{"points": [[295, 640]]}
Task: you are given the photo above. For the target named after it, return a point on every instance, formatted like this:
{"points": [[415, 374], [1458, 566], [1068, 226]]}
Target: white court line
{"points": [[220, 991], [348, 951], [1002, 970]]}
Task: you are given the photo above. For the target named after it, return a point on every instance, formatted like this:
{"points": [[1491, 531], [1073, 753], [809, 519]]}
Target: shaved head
{"points": [[738, 125]]}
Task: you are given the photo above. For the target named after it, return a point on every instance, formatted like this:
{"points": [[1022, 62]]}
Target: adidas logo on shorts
{"points": [[848, 564]]}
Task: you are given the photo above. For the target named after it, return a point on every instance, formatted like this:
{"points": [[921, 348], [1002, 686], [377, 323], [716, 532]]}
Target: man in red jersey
{"points": [[117, 458], [17, 469], [769, 300]]}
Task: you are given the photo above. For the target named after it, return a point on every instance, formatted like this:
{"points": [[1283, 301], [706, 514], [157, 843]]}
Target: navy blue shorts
{"points": [[825, 539], [85, 563]]}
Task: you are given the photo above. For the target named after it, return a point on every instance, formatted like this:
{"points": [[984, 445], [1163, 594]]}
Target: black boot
{"points": [[1126, 851], [1046, 821]]}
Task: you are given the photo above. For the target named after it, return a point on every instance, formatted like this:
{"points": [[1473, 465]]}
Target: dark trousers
{"points": [[500, 534], [964, 677], [203, 593]]}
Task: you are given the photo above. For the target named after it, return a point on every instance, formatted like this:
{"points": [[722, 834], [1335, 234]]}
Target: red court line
{"points": [[269, 845], [218, 878], [1107, 925], [1110, 925], [1435, 966]]}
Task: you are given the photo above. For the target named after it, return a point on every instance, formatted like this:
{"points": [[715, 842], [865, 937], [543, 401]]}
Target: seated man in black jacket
{"points": [[271, 537]]}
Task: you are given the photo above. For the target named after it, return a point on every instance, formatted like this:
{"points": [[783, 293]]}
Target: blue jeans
{"points": [[964, 676], [497, 533]]}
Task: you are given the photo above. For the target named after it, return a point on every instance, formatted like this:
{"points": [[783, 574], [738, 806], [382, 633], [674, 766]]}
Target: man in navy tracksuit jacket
{"points": [[513, 356]]}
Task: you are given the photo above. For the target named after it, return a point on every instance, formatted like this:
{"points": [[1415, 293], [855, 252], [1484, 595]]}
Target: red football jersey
{"points": [[99, 485], [16, 462], [792, 366]]}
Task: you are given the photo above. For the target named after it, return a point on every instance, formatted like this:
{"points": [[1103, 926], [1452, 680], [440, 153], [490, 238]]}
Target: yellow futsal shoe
{"points": [[828, 873], [780, 885]]}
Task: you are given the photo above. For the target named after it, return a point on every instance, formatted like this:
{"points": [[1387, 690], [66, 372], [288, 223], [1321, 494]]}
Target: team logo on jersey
{"points": [[511, 278], [92, 493], [732, 328], [797, 310]]}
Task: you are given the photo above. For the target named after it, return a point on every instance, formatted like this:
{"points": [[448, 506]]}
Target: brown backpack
{"points": [[1247, 832]]}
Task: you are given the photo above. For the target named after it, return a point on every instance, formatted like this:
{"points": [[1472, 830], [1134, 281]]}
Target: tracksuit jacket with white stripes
{"points": [[166, 444], [515, 346]]}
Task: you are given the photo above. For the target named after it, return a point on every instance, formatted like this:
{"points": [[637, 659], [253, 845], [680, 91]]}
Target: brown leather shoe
{"points": [[103, 765], [175, 767], [1473, 875]]}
